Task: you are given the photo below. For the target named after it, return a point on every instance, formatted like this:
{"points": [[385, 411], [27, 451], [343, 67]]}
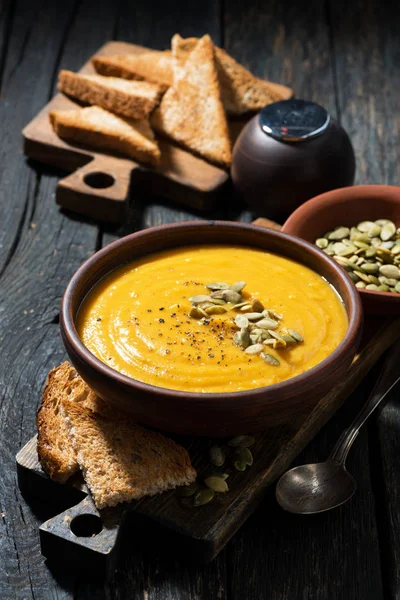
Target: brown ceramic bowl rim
{"points": [[326, 199], [354, 314]]}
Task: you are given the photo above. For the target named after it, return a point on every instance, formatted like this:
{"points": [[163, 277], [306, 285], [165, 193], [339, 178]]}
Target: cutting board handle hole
{"points": [[86, 525], [99, 180]]}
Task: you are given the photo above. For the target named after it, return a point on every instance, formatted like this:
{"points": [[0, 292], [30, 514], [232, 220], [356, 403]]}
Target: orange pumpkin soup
{"points": [[140, 320]]}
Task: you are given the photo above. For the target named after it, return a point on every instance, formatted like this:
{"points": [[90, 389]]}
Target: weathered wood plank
{"points": [[276, 555], [367, 48], [367, 56], [46, 248]]}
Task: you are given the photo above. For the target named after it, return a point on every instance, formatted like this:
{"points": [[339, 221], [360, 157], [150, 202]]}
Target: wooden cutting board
{"points": [[83, 536], [100, 183]]}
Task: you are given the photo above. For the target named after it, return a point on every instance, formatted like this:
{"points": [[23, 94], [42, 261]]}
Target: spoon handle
{"points": [[390, 375]]}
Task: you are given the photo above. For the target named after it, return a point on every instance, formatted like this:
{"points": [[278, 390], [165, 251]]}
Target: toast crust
{"points": [[131, 99], [56, 454], [122, 461], [95, 127], [151, 66]]}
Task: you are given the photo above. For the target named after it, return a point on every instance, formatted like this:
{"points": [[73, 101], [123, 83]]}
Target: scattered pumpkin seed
{"points": [[270, 359], [217, 456], [239, 465], [242, 441], [217, 484], [203, 496], [244, 455], [321, 243]]}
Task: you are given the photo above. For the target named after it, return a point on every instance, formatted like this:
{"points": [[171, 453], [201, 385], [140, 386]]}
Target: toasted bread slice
{"points": [[152, 66], [241, 92], [121, 461], [191, 111], [133, 99], [95, 127], [56, 454]]}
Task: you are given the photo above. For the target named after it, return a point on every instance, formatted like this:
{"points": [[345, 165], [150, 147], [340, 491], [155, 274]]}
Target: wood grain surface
{"points": [[343, 55], [204, 531]]}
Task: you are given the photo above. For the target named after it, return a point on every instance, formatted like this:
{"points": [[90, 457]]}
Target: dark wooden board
{"points": [[180, 176], [321, 49], [204, 531]]}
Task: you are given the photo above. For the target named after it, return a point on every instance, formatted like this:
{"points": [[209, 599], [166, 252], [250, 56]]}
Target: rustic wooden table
{"points": [[344, 55]]}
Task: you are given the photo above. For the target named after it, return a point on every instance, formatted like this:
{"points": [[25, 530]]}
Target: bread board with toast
{"points": [[100, 184], [85, 535]]}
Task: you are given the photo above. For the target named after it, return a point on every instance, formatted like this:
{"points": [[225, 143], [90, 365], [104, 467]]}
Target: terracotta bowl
{"points": [[214, 414], [348, 206]]}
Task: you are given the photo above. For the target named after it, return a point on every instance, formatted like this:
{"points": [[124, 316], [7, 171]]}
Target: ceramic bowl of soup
{"points": [[347, 207], [140, 323]]}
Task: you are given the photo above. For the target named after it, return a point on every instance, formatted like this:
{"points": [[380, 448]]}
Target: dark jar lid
{"points": [[294, 120]]}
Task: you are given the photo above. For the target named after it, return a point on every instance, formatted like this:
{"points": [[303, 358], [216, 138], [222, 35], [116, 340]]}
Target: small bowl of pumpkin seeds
{"points": [[359, 228]]}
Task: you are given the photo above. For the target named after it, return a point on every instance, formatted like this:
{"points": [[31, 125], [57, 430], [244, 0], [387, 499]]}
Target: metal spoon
{"points": [[318, 487]]}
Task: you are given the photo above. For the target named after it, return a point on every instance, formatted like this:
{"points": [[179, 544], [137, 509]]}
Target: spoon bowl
{"points": [[315, 488]]}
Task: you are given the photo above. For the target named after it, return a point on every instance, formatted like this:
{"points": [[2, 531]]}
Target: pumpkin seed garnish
{"points": [[296, 335], [245, 337], [267, 324], [238, 286], [203, 496], [257, 306], [197, 313], [242, 441], [254, 316], [231, 296], [254, 349], [218, 285], [241, 321], [270, 359], [200, 298], [217, 484], [216, 310], [217, 456], [245, 307]]}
